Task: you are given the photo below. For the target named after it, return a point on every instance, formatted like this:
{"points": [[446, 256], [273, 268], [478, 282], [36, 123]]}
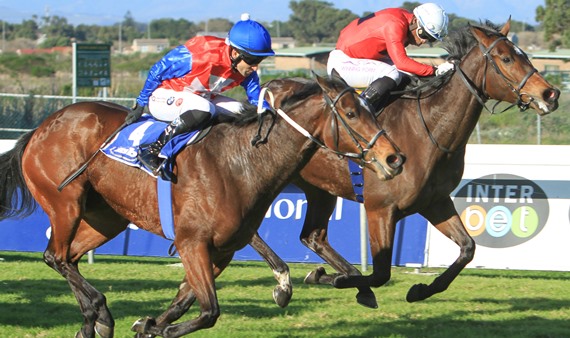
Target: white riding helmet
{"points": [[432, 19]]}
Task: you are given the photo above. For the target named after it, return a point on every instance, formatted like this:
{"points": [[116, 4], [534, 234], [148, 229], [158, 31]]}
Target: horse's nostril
{"points": [[395, 161], [551, 95]]}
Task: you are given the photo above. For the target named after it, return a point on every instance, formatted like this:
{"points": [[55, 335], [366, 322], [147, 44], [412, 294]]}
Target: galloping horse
{"points": [[432, 132], [223, 169]]}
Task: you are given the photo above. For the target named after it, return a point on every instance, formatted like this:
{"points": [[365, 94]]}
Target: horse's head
{"points": [[354, 127], [511, 76]]}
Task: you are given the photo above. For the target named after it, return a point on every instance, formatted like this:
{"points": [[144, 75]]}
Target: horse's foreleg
{"points": [[320, 206], [445, 218], [200, 278], [381, 226], [283, 291], [180, 304]]}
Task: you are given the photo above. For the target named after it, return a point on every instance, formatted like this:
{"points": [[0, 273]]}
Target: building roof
{"points": [[303, 51], [562, 54]]}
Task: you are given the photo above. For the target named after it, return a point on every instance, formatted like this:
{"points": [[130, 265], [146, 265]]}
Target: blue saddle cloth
{"points": [[125, 145]]}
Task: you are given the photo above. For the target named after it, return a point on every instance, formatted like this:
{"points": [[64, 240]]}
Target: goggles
{"points": [[423, 34], [252, 60]]}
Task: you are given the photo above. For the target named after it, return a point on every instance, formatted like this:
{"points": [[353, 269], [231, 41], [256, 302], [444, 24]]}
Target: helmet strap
{"points": [[236, 60]]}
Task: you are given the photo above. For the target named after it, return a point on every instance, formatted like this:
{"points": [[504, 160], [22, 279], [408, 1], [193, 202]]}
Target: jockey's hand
{"points": [[444, 68], [135, 113]]}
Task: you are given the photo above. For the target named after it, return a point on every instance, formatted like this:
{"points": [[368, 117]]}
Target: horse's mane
{"points": [[248, 113], [460, 41], [457, 44]]}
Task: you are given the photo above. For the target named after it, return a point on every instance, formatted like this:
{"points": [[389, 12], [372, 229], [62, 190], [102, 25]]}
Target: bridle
{"points": [[480, 94], [354, 135]]}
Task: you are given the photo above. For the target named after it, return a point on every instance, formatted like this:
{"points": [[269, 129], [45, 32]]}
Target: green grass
{"points": [[36, 302]]}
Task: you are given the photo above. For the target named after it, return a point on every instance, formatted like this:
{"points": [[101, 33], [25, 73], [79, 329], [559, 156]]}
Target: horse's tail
{"points": [[15, 197]]}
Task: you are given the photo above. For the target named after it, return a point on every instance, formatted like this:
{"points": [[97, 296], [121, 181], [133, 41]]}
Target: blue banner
{"points": [[280, 229]]}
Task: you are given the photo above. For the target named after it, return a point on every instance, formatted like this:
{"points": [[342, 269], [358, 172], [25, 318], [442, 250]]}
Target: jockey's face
{"points": [[243, 67]]}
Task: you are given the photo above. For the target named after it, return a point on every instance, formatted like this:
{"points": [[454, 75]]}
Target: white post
{"points": [[74, 74], [363, 239]]}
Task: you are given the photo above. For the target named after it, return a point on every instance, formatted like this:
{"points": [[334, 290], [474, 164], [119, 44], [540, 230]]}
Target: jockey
{"points": [[370, 52], [184, 86]]}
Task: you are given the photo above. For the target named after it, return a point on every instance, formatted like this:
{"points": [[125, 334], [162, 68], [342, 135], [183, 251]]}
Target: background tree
{"points": [[216, 25], [314, 21], [555, 19], [176, 31]]}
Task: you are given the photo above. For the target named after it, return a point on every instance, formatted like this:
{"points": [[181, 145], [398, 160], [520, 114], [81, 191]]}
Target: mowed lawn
{"points": [[36, 302]]}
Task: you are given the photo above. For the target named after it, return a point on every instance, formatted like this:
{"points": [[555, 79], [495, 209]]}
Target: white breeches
{"points": [[167, 104], [359, 73]]}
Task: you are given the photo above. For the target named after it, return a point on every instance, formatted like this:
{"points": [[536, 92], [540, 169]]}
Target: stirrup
{"points": [[148, 156]]}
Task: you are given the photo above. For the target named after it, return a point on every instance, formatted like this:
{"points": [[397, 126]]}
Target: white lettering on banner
{"points": [[285, 208], [511, 193]]}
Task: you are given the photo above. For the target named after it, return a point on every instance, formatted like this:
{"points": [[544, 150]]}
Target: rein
{"points": [[332, 104]]}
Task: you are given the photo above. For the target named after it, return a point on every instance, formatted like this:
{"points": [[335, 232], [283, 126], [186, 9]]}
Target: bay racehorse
{"points": [[432, 131], [223, 169]]}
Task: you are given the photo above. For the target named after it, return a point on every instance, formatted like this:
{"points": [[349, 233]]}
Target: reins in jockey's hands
{"points": [[135, 113], [444, 68]]}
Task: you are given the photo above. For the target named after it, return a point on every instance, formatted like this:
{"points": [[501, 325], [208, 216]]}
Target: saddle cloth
{"points": [[125, 145]]}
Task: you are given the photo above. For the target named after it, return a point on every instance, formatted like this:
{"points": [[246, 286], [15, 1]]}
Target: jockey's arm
{"points": [[253, 89], [176, 63]]}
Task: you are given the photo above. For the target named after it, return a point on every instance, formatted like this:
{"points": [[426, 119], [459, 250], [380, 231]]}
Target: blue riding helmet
{"points": [[250, 37]]}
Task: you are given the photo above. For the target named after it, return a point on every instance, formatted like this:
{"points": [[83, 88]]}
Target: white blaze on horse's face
{"points": [[518, 50]]}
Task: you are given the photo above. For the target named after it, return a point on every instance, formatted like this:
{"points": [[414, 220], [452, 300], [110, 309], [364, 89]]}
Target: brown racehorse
{"points": [[432, 132], [223, 169]]}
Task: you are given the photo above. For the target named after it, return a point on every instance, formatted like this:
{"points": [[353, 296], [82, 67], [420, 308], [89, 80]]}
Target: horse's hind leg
{"points": [[320, 206], [283, 291], [445, 218], [96, 316]]}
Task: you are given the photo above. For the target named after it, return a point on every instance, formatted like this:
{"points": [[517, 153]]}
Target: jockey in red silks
{"points": [[371, 51], [184, 86]]}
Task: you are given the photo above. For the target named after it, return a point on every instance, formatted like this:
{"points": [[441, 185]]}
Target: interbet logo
{"points": [[502, 210]]}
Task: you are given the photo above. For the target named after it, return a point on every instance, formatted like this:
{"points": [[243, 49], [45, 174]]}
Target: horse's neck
{"points": [[267, 167], [452, 114]]}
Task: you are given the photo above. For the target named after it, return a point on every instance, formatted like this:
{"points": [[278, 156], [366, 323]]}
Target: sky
{"points": [[108, 12]]}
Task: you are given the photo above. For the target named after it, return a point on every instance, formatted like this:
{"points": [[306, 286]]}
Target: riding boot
{"points": [[188, 121], [378, 92]]}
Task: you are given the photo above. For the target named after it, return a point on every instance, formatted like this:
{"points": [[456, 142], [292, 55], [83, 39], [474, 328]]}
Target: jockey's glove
{"points": [[135, 113], [444, 68]]}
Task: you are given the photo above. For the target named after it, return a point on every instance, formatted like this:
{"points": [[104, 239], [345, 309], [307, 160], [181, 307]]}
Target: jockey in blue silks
{"points": [[183, 87]]}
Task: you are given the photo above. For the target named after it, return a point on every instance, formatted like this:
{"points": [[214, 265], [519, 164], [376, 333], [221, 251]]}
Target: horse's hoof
{"points": [[103, 330], [314, 276], [143, 325], [367, 299], [416, 293], [282, 296]]}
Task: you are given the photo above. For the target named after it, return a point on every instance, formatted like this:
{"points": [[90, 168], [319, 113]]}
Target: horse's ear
{"points": [[507, 27], [479, 34], [336, 75], [322, 82]]}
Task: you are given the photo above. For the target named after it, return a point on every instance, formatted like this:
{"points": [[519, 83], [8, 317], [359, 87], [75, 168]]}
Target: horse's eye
{"points": [[506, 59], [350, 114]]}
